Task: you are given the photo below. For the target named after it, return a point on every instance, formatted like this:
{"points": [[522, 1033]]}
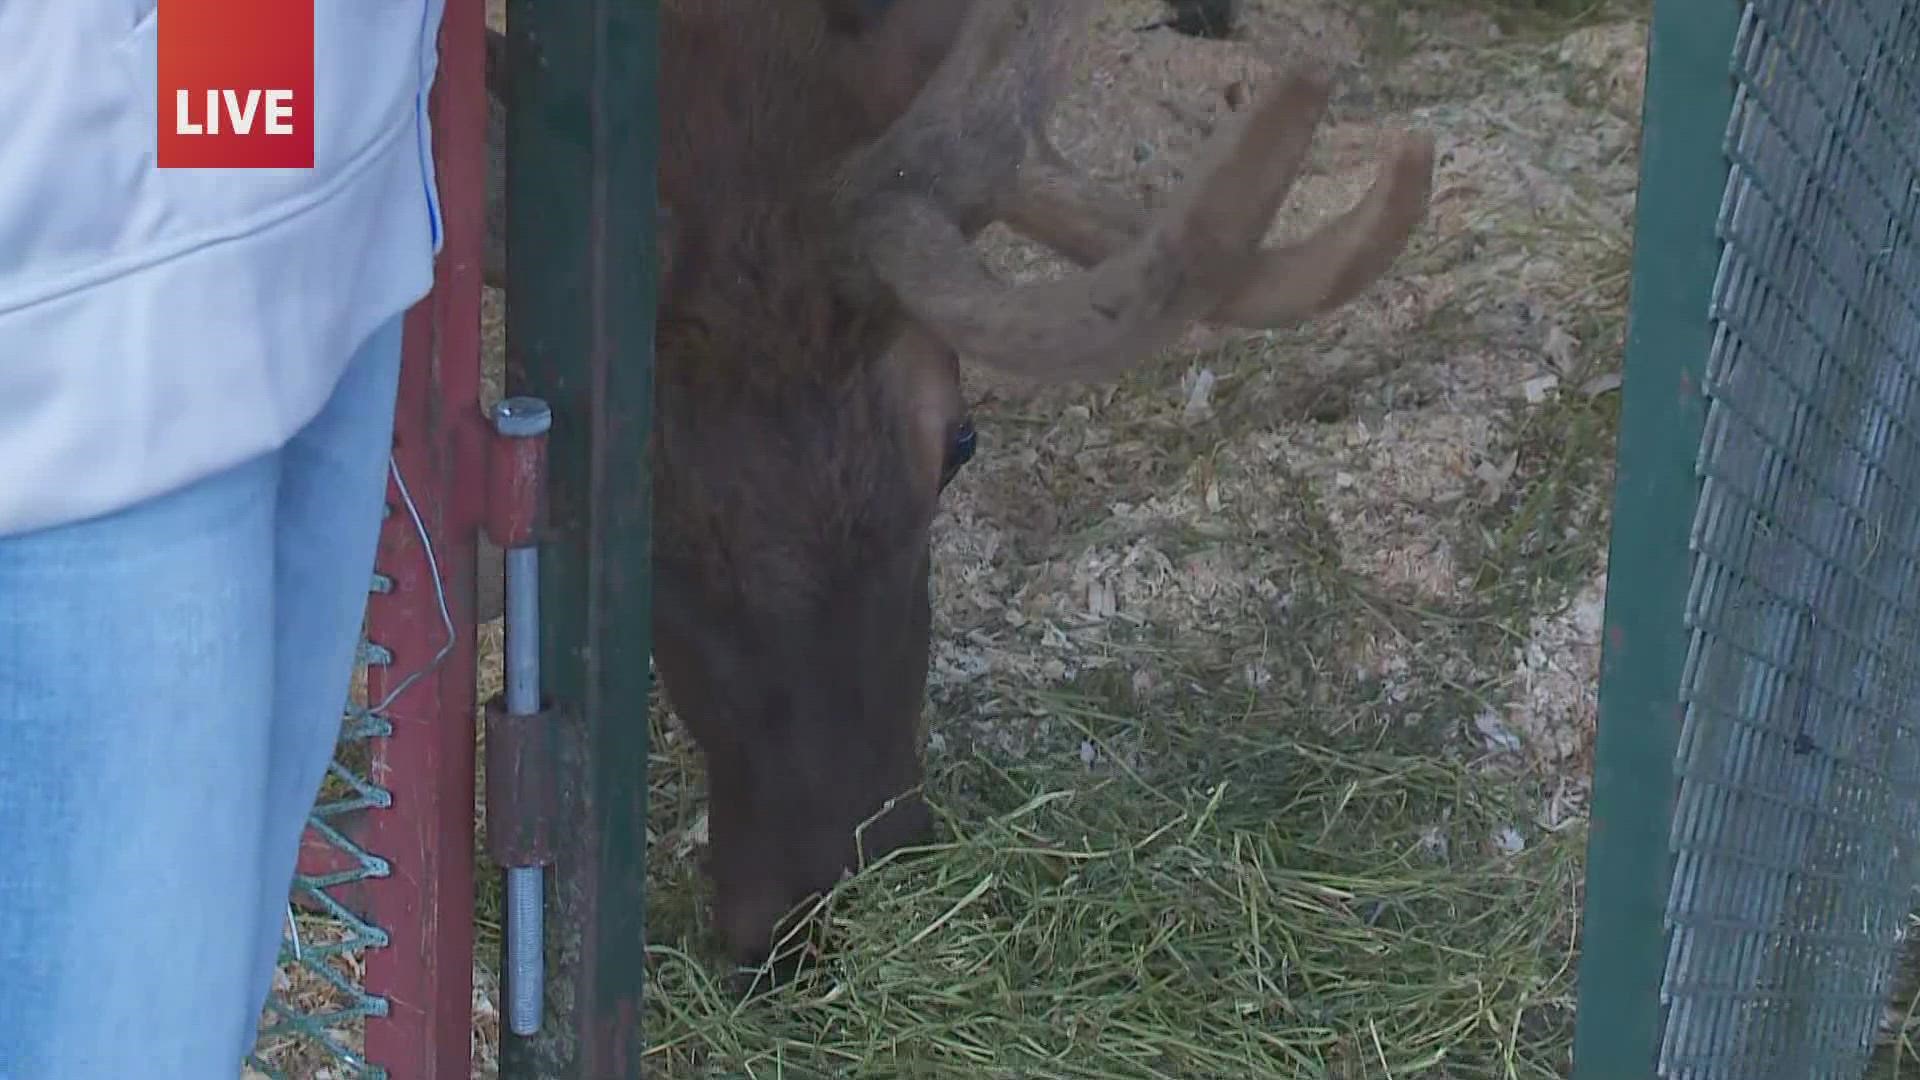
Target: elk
{"points": [[824, 168]]}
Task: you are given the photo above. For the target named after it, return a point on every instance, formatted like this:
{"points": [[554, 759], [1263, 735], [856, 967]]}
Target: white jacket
{"points": [[159, 326]]}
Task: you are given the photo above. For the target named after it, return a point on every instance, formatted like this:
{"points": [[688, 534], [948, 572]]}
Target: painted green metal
{"points": [[1756, 822], [582, 132], [1682, 175]]}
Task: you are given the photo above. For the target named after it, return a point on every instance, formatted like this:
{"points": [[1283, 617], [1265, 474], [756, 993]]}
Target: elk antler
{"points": [[1059, 207], [966, 151]]}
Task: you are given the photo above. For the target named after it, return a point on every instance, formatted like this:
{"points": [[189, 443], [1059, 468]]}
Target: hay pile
{"points": [[1251, 906]]}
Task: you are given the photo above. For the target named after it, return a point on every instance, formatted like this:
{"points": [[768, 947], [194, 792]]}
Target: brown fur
{"points": [[823, 167], [792, 611]]}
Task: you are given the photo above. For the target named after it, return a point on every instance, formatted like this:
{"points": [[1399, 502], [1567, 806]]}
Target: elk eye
{"points": [[959, 452]]}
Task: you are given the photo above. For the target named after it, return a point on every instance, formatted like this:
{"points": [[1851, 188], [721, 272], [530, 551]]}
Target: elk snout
{"points": [[757, 898], [747, 915]]}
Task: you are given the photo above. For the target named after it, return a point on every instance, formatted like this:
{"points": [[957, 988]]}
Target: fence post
{"points": [[1683, 172], [582, 130]]}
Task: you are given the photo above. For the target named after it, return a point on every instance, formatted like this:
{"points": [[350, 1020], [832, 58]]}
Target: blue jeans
{"points": [[172, 679]]}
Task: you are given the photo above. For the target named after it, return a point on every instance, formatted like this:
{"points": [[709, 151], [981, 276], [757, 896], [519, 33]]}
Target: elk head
{"points": [[821, 285]]}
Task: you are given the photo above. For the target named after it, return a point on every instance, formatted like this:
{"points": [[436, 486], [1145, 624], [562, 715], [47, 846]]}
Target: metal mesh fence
{"points": [[374, 975], [1791, 812], [319, 1004], [1795, 829]]}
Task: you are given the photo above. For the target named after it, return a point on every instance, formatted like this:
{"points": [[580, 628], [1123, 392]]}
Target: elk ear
{"points": [[923, 379]]}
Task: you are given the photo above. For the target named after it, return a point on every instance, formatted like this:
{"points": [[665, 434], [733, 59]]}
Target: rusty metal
{"points": [[516, 479], [426, 974], [516, 483], [523, 798]]}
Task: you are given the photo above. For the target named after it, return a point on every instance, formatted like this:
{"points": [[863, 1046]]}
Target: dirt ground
{"points": [[1399, 430], [1394, 518]]}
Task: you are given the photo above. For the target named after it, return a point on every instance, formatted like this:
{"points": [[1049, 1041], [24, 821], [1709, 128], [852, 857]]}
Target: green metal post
{"points": [[582, 132], [1683, 175]]}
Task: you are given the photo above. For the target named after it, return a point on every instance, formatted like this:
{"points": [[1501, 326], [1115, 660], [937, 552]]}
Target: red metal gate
{"points": [[387, 859]]}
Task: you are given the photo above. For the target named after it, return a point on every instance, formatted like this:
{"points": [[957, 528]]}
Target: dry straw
{"points": [[1265, 908]]}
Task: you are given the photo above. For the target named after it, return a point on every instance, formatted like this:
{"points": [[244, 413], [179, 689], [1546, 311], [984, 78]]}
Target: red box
{"points": [[235, 84]]}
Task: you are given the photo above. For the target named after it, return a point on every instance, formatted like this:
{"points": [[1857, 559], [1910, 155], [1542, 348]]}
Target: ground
{"points": [[1263, 687]]}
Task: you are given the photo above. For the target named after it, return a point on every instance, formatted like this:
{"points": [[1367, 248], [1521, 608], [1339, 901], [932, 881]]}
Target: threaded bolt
{"points": [[524, 418], [526, 967]]}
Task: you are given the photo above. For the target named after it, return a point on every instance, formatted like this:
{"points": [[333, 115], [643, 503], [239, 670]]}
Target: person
{"points": [[198, 371]]}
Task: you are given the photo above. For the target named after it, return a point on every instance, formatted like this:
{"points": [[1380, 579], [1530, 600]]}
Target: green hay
{"points": [[1298, 911]]}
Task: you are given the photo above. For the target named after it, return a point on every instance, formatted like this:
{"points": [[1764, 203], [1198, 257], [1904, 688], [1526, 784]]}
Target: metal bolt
{"points": [[521, 418]]}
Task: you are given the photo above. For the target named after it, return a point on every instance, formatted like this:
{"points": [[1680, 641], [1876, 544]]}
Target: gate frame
{"points": [[424, 974], [1663, 408], [582, 132]]}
